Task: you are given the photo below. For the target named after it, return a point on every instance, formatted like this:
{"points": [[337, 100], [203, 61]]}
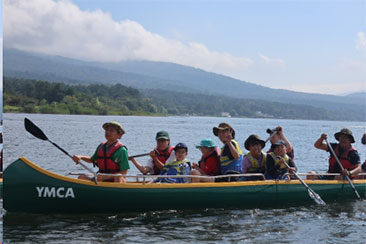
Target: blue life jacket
{"points": [[231, 166]]}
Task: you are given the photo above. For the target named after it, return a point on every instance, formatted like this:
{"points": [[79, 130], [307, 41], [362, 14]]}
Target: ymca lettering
{"points": [[59, 192]]}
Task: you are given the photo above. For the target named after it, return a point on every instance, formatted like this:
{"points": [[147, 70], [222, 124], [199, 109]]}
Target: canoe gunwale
{"points": [[180, 185]]}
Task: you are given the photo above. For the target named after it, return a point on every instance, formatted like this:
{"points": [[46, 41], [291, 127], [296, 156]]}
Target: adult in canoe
{"points": [[254, 161], [209, 165], [111, 156], [361, 168], [158, 156], [279, 135], [345, 152], [231, 155]]}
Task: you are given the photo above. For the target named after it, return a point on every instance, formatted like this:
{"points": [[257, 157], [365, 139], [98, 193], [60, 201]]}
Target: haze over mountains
{"points": [[171, 77]]}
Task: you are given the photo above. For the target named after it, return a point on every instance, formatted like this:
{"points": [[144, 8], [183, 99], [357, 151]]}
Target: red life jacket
{"points": [[216, 154], [344, 159], [163, 157], [104, 157]]}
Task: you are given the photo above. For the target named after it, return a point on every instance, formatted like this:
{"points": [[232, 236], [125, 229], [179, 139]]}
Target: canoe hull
{"points": [[28, 188]]}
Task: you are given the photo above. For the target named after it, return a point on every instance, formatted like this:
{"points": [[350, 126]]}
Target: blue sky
{"points": [[310, 46]]}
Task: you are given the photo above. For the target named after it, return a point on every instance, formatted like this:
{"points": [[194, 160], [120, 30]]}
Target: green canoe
{"points": [[29, 188]]}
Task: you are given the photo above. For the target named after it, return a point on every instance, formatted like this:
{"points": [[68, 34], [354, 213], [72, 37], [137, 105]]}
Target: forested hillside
{"points": [[35, 96]]}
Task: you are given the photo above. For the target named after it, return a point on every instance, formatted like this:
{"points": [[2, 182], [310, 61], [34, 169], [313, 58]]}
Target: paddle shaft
{"points": [[139, 155], [35, 131], [79, 162], [340, 165], [307, 187], [273, 132]]}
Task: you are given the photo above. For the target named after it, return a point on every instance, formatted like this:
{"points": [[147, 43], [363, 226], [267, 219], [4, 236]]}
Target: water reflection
{"points": [[338, 222]]}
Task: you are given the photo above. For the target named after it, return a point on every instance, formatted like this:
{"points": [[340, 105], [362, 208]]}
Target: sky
{"points": [[309, 46]]}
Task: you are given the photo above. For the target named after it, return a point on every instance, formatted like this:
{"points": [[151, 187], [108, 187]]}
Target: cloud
{"points": [[361, 41], [61, 28], [275, 61]]}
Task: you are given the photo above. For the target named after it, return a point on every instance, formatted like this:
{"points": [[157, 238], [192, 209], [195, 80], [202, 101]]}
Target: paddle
{"points": [[37, 132], [312, 194], [138, 155], [340, 165], [271, 133]]}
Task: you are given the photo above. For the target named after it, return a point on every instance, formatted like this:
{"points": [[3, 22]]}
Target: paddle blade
{"points": [[34, 130], [316, 198]]}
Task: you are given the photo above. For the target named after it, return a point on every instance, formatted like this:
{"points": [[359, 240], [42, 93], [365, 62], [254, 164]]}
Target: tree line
{"points": [[35, 96]]}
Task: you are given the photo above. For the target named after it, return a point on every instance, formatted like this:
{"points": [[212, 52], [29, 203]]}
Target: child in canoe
{"points": [[158, 156], [275, 162], [255, 160], [209, 165], [279, 135], [180, 166], [111, 156], [231, 154]]}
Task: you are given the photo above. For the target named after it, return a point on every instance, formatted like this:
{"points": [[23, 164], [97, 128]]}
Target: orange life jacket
{"points": [[343, 158], [104, 157], [163, 156]]}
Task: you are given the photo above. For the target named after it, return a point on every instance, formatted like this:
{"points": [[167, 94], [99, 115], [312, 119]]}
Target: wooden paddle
{"points": [[37, 132], [340, 165], [312, 194]]}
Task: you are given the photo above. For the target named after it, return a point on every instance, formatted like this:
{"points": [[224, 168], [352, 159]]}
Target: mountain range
{"points": [[147, 75]]}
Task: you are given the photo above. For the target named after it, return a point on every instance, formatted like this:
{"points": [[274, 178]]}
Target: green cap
{"points": [[116, 125], [162, 135], [207, 142]]}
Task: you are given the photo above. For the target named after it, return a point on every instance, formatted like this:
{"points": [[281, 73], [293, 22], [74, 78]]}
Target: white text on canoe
{"points": [[59, 192]]}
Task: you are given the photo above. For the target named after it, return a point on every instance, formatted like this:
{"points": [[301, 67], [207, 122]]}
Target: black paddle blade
{"points": [[34, 130]]}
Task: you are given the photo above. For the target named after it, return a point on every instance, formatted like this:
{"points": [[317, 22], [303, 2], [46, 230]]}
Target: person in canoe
{"points": [[346, 153], [279, 135], [111, 156], [255, 160], [158, 156], [363, 139], [275, 167], [360, 168], [231, 154], [180, 166], [209, 165]]}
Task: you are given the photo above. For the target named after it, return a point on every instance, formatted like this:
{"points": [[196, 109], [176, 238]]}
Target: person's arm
{"points": [[320, 144], [229, 143], [196, 167], [292, 166], [284, 138], [120, 179], [144, 170], [233, 150], [77, 158], [355, 171], [156, 160]]}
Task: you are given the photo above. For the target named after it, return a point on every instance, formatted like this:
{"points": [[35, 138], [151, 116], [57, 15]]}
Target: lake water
{"points": [[334, 223]]}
